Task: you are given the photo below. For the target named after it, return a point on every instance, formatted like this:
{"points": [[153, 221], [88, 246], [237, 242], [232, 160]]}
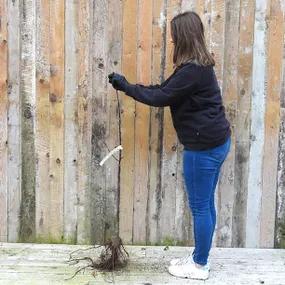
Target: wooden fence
{"points": [[59, 116]]}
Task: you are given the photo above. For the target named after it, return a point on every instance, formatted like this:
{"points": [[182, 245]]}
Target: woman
{"points": [[198, 116]]}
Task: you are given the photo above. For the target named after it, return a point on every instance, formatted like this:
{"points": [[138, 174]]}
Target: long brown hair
{"points": [[187, 32]]}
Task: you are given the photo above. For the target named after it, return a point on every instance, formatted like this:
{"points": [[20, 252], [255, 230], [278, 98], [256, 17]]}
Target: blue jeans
{"points": [[201, 170]]}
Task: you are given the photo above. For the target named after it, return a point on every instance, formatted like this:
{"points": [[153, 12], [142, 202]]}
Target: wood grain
{"points": [[142, 122], [156, 115], [272, 121], [257, 127], [57, 160], [225, 187], [71, 120], [3, 124], [97, 202], [129, 62], [84, 111], [42, 120], [169, 148], [242, 125], [28, 97]]}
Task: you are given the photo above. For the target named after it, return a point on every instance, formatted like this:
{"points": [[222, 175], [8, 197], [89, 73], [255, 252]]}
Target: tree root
{"points": [[113, 256]]}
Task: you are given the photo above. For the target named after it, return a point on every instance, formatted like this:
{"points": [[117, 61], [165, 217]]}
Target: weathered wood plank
{"points": [[225, 185], [84, 109], [14, 121], [27, 84], [217, 34], [113, 127], [257, 126], [57, 48], [156, 115], [34, 263], [129, 63], [242, 125], [188, 5], [280, 213], [42, 120], [274, 51], [97, 202], [169, 149], [204, 9], [142, 122], [280, 202], [71, 121], [3, 123]]}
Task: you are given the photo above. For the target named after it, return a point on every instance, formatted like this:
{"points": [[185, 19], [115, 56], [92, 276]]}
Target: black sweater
{"points": [[193, 95]]}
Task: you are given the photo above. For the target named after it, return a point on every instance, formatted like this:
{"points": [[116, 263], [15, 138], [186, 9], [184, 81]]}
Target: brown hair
{"points": [[187, 32]]}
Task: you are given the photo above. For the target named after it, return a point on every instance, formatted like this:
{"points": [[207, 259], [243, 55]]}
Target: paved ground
{"points": [[29, 264]]}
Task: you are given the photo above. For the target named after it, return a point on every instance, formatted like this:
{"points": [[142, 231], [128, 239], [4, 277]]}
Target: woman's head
{"points": [[187, 32]]}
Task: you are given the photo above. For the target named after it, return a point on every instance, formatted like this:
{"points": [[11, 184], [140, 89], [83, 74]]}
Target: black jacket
{"points": [[195, 101]]}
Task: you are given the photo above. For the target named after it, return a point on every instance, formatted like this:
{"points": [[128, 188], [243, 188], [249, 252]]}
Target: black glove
{"points": [[119, 82]]}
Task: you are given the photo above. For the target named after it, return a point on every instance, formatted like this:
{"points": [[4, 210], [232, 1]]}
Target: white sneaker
{"points": [[186, 259], [189, 270]]}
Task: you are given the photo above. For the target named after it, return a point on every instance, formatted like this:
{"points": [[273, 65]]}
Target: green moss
{"points": [[281, 226]]}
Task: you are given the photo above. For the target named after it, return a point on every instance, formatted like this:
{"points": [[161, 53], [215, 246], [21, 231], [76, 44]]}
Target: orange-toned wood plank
{"points": [[225, 189], [272, 121], [142, 121], [56, 117], [42, 134], [129, 64], [3, 122]]}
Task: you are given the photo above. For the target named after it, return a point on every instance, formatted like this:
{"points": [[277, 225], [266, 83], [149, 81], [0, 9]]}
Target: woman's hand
{"points": [[119, 82]]}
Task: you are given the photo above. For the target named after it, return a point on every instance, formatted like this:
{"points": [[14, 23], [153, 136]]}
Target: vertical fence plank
{"points": [[204, 10], [280, 203], [188, 5], [99, 124], [213, 16], [3, 123], [42, 134], [27, 85], [226, 182], [84, 110], [257, 126], [169, 150], [56, 117], [142, 122], [112, 132], [241, 140], [14, 121], [70, 121], [272, 120], [129, 63], [156, 115], [217, 36]]}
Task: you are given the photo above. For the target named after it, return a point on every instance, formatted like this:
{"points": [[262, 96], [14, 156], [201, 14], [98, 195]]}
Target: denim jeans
{"points": [[201, 171]]}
